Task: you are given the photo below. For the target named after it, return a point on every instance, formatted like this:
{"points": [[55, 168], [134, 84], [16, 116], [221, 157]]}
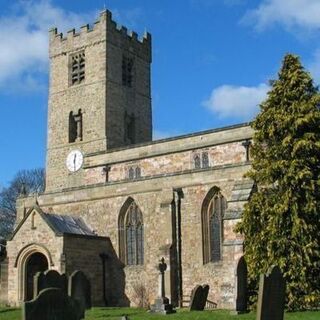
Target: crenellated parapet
{"points": [[104, 29]]}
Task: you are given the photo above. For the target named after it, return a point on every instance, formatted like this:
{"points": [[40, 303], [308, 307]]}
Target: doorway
{"points": [[37, 262]]}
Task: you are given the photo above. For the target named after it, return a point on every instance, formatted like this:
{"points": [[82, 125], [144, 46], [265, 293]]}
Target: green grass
{"points": [[137, 314]]}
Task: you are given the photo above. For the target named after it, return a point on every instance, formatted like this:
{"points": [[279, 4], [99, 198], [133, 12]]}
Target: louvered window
{"points": [[127, 71], [77, 72]]}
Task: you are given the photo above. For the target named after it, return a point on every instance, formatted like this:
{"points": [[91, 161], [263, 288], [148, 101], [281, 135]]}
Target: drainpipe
{"points": [[179, 193]]}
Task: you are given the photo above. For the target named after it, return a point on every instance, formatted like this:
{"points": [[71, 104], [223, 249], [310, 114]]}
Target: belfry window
{"points": [[77, 68], [127, 71], [131, 236], [75, 126], [212, 226]]}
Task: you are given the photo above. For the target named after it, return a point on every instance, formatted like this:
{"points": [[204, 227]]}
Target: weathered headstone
{"points": [[49, 279], [271, 299], [199, 297], [242, 287], [161, 304], [79, 289], [51, 304]]}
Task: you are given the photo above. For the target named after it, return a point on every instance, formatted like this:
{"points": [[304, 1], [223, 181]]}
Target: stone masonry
{"points": [[168, 187]]}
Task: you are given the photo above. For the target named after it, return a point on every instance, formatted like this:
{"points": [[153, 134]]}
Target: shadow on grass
{"points": [[8, 310]]}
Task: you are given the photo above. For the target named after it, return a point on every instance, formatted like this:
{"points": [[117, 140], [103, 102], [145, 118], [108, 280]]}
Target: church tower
{"points": [[99, 96]]}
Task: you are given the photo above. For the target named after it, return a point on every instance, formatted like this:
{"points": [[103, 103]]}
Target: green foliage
{"points": [[24, 183], [280, 222]]}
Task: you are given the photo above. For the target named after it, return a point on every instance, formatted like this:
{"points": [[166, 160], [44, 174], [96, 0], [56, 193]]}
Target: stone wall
{"points": [[25, 242], [100, 207], [83, 253], [102, 97], [225, 154]]}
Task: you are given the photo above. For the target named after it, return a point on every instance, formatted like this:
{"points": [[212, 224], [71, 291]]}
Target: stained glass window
{"points": [[131, 236], [212, 226]]}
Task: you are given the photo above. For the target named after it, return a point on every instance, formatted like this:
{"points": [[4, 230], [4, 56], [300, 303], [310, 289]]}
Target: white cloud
{"points": [[290, 13], [236, 101], [24, 41]]}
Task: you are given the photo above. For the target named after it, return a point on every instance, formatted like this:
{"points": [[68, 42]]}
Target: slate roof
{"points": [[62, 224], [242, 190]]}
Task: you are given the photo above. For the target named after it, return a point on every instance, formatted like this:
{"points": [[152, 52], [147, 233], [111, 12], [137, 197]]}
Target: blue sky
{"points": [[212, 60]]}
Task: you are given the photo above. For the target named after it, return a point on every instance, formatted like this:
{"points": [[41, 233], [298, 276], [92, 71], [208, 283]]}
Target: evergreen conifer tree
{"points": [[281, 221]]}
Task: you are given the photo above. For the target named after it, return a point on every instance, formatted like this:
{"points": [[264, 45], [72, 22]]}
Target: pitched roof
{"points": [[62, 224], [59, 224]]}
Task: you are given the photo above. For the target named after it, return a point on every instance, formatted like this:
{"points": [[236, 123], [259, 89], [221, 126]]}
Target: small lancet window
{"points": [[77, 68], [138, 172], [134, 173], [197, 161], [201, 160], [33, 222], [127, 71], [131, 173], [205, 160], [75, 126]]}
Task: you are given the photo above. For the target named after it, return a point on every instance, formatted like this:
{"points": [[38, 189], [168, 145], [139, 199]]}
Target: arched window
{"points": [[75, 126], [205, 160], [131, 173], [131, 240], [213, 209], [197, 161], [138, 172]]}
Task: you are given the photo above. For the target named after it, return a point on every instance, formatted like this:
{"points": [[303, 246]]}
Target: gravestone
{"points": [[49, 279], [271, 299], [242, 290], [199, 297], [79, 289], [51, 304], [161, 304]]}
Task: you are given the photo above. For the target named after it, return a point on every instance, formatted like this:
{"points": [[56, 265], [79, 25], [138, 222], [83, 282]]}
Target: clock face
{"points": [[74, 160]]}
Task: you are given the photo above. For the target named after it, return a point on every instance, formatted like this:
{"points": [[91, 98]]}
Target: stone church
{"points": [[116, 201]]}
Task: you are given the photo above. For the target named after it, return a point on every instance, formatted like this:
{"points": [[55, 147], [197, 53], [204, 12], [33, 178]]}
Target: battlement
{"points": [[105, 28]]}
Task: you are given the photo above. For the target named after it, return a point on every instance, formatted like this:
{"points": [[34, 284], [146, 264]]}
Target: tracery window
{"points": [[131, 239], [127, 71], [213, 210], [77, 68]]}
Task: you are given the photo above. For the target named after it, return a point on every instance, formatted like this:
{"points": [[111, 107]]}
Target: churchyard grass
{"points": [[138, 314]]}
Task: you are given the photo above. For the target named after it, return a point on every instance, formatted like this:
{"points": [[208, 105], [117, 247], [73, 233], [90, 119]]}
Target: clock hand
{"points": [[74, 161]]}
